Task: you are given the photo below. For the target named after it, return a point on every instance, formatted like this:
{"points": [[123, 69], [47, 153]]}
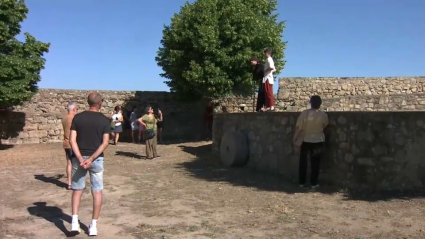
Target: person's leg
{"points": [[133, 132], [149, 153], [160, 135], [154, 143], [260, 98], [302, 170], [316, 155], [117, 137], [78, 183], [68, 153], [269, 99], [96, 181], [266, 98]]}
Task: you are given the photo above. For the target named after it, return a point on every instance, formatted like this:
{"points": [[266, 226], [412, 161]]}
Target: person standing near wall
{"points": [[89, 138], [208, 118], [66, 125], [127, 123], [268, 80], [149, 121], [160, 126], [309, 135], [133, 124], [257, 75], [117, 119]]}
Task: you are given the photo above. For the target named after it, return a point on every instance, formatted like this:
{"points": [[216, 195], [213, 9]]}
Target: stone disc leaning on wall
{"points": [[234, 149]]}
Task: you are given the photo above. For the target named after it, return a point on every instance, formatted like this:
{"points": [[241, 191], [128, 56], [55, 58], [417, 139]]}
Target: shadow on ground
{"points": [[129, 155], [53, 180], [54, 215], [206, 166], [5, 146]]}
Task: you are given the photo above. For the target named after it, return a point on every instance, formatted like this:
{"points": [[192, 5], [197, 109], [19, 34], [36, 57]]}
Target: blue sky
{"points": [[111, 45]]}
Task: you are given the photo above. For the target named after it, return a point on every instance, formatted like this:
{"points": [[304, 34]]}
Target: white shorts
{"points": [[134, 126]]}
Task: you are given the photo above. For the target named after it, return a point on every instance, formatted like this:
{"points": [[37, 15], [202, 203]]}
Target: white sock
{"points": [[93, 222], [74, 218]]}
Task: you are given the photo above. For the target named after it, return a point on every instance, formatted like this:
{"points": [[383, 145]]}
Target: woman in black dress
{"points": [[159, 125]]}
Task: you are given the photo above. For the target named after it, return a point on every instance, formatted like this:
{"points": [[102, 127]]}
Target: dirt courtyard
{"points": [[187, 194]]}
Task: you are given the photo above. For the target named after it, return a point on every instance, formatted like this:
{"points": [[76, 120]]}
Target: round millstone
{"points": [[234, 149]]}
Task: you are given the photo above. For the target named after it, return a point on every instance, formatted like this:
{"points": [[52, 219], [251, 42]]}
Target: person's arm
{"points": [[73, 141], [121, 119], [141, 121], [299, 126], [160, 117], [104, 145]]}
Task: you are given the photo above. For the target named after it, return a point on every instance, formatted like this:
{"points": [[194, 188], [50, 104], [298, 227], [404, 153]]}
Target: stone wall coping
{"points": [[327, 112], [41, 114], [353, 78], [106, 91]]}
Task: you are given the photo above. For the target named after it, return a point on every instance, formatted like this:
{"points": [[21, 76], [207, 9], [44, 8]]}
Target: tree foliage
{"points": [[207, 46], [20, 62]]}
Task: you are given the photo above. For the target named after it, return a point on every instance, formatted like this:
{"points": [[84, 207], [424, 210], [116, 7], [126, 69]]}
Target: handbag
{"points": [[112, 124], [149, 133]]}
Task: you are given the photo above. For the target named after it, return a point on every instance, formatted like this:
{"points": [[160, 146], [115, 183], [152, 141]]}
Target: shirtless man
{"points": [[66, 124]]}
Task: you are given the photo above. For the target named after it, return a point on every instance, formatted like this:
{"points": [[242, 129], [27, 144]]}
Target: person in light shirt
{"points": [[310, 137], [268, 80]]}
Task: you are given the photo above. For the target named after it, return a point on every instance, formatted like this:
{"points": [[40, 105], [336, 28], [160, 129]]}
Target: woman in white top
{"points": [[117, 120]]}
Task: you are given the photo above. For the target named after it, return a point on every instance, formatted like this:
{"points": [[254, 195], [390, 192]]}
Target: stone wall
{"points": [[364, 150], [298, 90], [397, 102], [42, 116], [185, 121], [39, 120]]}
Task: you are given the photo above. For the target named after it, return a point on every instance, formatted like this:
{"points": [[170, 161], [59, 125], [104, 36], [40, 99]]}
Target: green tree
{"points": [[20, 62], [207, 46]]}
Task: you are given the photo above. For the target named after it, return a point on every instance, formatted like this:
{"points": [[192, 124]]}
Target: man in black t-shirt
{"points": [[89, 138]]}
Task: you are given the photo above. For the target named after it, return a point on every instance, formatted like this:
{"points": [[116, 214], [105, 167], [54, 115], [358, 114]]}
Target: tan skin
{"points": [[73, 112], [121, 119], [86, 164]]}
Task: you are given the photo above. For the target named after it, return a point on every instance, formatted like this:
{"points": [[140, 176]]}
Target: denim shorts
{"points": [[78, 180]]}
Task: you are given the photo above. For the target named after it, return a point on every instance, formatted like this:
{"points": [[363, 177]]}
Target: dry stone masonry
{"points": [[355, 93], [38, 121], [364, 150]]}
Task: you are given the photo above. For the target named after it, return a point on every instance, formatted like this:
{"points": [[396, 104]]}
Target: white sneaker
{"points": [[315, 187], [75, 227], [92, 230]]}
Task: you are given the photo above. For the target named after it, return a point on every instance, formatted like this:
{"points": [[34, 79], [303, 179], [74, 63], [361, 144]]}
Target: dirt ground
{"points": [[187, 194]]}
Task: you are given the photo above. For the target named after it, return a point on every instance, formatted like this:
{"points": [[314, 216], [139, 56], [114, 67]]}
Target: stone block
{"points": [[348, 158], [366, 161]]}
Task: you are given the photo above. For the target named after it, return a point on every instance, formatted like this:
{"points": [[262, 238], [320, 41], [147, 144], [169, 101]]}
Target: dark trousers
{"points": [[260, 97], [315, 151]]}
